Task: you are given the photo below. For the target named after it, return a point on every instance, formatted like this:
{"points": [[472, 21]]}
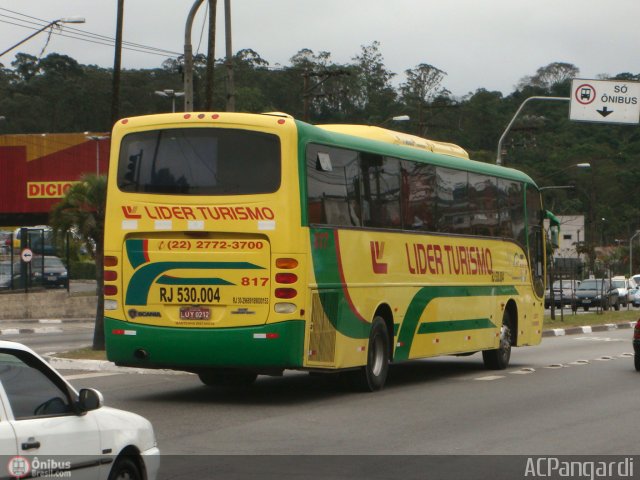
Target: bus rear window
{"points": [[199, 161]]}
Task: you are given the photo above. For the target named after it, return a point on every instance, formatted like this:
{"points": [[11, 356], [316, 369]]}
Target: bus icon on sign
{"points": [[585, 94]]}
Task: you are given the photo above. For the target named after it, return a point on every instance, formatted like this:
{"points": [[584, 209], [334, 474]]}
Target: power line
{"points": [[82, 35]]}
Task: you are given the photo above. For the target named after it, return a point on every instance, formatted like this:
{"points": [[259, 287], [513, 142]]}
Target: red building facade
{"points": [[37, 169]]}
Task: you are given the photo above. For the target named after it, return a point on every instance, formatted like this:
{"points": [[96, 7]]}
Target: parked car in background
{"points": [[54, 273], [44, 416], [563, 293], [634, 297], [5, 274], [622, 284], [596, 292], [635, 281], [5, 242]]}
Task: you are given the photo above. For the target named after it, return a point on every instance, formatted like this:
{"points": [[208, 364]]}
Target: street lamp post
{"points": [[97, 139], [188, 58], [50, 24], [172, 94], [506, 131]]}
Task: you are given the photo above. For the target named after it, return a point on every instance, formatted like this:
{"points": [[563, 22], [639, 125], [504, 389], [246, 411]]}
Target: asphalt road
{"points": [[570, 395]]}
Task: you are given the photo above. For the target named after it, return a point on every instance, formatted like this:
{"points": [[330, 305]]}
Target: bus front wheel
{"points": [[373, 375], [498, 359], [227, 377]]}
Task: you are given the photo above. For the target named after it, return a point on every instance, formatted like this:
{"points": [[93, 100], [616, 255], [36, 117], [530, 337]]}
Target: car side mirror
{"points": [[90, 399]]}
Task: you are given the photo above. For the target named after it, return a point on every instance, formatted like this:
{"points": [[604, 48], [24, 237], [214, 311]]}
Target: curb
{"points": [[102, 366], [560, 332], [48, 325]]}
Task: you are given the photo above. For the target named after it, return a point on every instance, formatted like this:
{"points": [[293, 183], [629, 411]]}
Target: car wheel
{"points": [[498, 359], [586, 309], [222, 377], [617, 306], [125, 468], [373, 375]]}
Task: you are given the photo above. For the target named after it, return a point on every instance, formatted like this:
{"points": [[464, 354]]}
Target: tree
{"points": [[421, 86], [82, 209], [375, 93], [551, 75]]}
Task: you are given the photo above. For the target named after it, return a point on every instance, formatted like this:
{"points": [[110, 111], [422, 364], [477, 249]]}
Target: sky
{"points": [[490, 44]]}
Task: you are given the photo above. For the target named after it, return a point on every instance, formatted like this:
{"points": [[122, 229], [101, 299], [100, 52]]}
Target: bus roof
{"points": [[392, 143]]}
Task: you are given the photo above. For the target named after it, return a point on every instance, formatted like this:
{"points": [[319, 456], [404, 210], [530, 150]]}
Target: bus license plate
{"points": [[195, 313]]}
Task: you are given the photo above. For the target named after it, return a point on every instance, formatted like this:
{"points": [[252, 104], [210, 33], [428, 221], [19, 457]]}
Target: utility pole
{"points": [[231, 93], [211, 56], [115, 90]]}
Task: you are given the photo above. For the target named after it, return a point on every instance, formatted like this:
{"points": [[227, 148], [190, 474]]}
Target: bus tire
{"points": [[227, 377], [636, 362], [498, 359], [373, 375]]}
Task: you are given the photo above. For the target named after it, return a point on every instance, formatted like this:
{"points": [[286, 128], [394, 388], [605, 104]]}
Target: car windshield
{"points": [[590, 285], [619, 284], [53, 262]]}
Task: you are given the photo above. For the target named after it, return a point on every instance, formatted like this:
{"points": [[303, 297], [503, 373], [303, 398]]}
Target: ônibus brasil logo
{"points": [[19, 467]]}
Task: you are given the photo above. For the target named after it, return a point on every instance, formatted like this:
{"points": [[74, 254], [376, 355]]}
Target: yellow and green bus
{"points": [[244, 244]]}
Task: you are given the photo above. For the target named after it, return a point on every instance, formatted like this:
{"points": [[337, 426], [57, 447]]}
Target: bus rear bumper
{"points": [[276, 345]]}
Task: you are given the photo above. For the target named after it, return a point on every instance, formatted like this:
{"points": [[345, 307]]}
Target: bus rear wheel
{"points": [[498, 359], [227, 377], [373, 375]]}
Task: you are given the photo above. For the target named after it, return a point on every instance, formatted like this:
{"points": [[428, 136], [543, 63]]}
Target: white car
{"points": [[48, 429]]}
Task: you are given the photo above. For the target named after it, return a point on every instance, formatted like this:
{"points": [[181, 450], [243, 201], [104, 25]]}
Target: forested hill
{"points": [[56, 94]]}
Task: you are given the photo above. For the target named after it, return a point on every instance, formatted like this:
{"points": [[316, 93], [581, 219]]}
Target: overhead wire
{"points": [[79, 34]]}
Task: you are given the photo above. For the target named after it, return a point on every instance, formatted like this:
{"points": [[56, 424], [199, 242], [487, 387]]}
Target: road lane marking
{"points": [[490, 377]]}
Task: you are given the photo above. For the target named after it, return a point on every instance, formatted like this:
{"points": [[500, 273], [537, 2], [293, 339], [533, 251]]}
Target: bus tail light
{"points": [[110, 261], [286, 292], [284, 307], [110, 275], [110, 290], [286, 278], [286, 263], [110, 304]]}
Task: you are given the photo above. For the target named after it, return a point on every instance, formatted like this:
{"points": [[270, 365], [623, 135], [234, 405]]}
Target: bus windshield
{"points": [[198, 161]]}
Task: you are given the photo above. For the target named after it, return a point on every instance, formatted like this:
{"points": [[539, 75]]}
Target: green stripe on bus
{"points": [[455, 326], [326, 267], [141, 280], [426, 295], [135, 252]]}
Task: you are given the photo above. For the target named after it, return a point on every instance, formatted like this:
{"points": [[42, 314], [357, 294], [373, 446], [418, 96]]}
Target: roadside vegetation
{"points": [[592, 318]]}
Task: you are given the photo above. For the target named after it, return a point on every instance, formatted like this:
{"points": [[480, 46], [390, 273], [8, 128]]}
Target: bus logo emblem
{"points": [[377, 251], [130, 212]]}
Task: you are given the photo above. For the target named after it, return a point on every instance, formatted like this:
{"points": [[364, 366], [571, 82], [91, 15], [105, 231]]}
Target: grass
{"points": [[87, 353], [571, 320]]}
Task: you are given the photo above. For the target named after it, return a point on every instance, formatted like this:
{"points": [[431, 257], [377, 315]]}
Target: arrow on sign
{"points": [[604, 112]]}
